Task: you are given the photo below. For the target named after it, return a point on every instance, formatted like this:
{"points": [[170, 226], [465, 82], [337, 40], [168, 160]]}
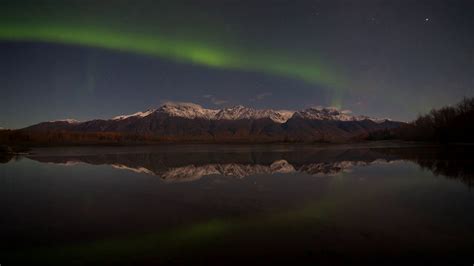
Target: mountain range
{"points": [[188, 122]]}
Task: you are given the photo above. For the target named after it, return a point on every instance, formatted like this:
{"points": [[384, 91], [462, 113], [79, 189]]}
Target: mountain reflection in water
{"points": [[283, 204], [188, 164]]}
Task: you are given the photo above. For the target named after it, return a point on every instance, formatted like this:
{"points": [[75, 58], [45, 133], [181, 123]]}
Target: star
{"points": [[427, 19]]}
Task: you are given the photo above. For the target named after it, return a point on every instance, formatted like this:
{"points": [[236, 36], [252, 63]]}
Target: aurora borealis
{"points": [[380, 58], [180, 51], [180, 48]]}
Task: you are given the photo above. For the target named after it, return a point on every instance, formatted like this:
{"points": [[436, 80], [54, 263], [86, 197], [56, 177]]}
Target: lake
{"points": [[383, 203]]}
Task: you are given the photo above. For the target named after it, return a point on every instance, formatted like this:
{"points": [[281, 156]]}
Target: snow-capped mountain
{"points": [[193, 111], [242, 112], [192, 122], [138, 114], [187, 110], [329, 113]]}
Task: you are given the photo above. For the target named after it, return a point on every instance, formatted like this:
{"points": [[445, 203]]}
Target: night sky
{"points": [[89, 59]]}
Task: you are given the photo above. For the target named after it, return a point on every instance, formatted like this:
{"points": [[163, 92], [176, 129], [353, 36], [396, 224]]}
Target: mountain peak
{"points": [[187, 110], [329, 113], [193, 111], [242, 112], [138, 114]]}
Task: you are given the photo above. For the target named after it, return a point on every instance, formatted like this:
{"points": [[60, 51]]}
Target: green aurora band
{"points": [[41, 28]]}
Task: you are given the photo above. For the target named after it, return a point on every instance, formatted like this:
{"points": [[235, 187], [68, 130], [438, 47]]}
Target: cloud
{"points": [[214, 99], [345, 111], [260, 96], [321, 107]]}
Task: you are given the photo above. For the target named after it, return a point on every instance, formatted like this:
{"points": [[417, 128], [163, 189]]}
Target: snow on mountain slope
{"points": [[192, 111], [242, 112], [187, 110], [328, 113], [380, 120], [138, 114], [282, 116]]}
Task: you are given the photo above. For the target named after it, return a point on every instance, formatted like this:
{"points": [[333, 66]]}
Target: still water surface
{"points": [[215, 204]]}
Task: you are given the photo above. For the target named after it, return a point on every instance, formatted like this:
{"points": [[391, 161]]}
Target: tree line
{"points": [[32, 138], [449, 124]]}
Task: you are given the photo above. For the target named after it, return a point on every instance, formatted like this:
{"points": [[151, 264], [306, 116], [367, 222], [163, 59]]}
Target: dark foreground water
{"points": [[198, 204]]}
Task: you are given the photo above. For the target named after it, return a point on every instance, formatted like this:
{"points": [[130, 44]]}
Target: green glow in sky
{"points": [[173, 35], [181, 51]]}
